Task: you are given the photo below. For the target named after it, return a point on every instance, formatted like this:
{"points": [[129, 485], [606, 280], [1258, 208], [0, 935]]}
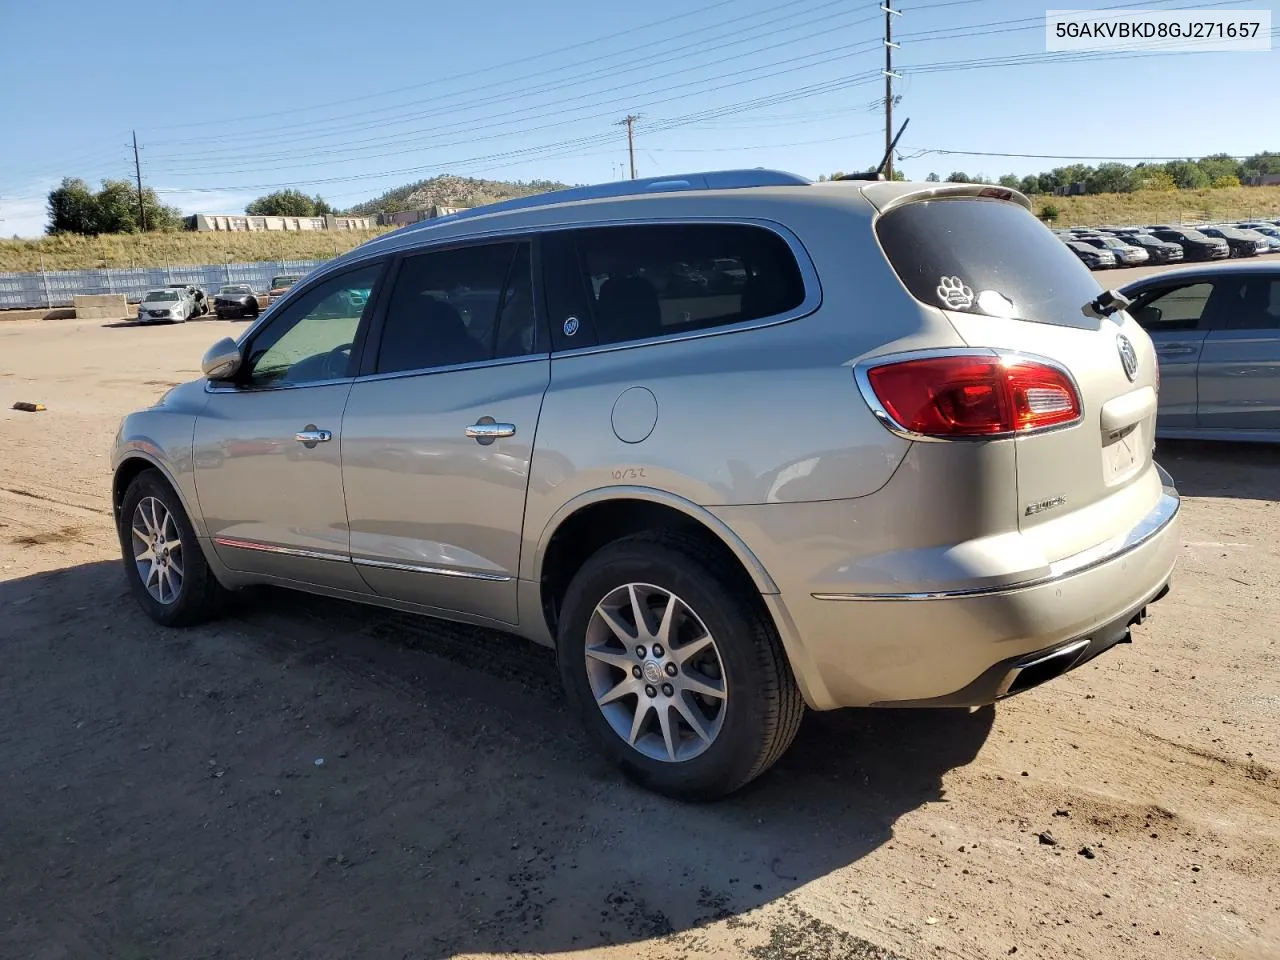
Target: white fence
{"points": [[58, 288]]}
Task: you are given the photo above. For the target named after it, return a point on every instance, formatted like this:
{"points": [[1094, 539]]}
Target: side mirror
{"points": [[222, 360]]}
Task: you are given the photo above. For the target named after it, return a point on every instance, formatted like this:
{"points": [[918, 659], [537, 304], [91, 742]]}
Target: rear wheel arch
{"points": [[591, 522]]}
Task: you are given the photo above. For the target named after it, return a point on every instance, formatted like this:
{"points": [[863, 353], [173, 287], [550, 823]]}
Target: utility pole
{"points": [[889, 76], [629, 122], [137, 167]]}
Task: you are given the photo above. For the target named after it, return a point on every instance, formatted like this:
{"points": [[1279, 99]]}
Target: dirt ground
{"points": [[311, 779]]}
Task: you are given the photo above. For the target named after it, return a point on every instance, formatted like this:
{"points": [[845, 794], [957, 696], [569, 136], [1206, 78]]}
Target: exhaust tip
{"points": [[1043, 668]]}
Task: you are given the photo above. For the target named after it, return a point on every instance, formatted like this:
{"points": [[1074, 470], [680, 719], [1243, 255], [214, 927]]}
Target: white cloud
{"points": [[25, 215]]}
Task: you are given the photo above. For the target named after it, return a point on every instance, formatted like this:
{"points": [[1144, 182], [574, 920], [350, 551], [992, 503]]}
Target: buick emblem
{"points": [[1128, 356]]}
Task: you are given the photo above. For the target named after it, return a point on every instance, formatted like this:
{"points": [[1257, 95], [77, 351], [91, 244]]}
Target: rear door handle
{"points": [[486, 430], [1175, 350]]}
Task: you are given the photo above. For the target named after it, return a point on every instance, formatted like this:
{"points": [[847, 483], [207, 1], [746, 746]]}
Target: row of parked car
{"points": [[180, 302], [1103, 247]]}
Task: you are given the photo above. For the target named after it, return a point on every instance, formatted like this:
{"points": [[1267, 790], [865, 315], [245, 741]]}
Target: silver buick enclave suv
{"points": [[732, 443]]}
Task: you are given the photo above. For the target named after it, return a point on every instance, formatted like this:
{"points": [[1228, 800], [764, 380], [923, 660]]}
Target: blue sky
{"points": [[348, 100]]}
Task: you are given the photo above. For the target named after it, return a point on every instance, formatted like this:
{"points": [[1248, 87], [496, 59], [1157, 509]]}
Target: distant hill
{"points": [[450, 191]]}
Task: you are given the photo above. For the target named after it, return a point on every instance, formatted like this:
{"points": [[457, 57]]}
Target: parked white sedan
{"points": [[172, 305]]}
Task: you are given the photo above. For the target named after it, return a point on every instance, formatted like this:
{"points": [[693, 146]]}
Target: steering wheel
{"points": [[337, 362]]}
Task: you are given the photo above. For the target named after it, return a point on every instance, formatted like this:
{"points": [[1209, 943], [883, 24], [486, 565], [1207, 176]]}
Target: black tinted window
{"points": [[1249, 303], [987, 257], [646, 281], [445, 308]]}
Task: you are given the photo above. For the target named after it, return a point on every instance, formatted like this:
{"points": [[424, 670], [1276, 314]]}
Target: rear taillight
{"points": [[973, 396]]}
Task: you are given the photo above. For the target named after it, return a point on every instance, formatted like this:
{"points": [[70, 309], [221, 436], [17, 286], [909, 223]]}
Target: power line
{"points": [[612, 67], [505, 100], [557, 117], [470, 73]]}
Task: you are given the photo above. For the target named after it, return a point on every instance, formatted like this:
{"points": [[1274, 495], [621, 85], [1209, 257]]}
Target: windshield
{"points": [[987, 257], [283, 281], [1114, 243], [159, 295], [235, 290]]}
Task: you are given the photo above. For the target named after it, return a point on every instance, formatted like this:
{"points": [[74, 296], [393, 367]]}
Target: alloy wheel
{"points": [[655, 672], [157, 550]]}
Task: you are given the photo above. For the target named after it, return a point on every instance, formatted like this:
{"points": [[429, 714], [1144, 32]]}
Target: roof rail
{"points": [[713, 180]]}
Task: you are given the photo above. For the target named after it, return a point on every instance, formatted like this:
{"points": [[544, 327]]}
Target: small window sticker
{"points": [[953, 292]]}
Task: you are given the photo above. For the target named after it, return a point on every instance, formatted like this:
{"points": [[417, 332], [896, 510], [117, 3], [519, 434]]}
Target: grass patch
{"points": [[74, 252], [1151, 206]]}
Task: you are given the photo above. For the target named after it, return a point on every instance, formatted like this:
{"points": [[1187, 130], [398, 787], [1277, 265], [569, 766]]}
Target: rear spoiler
{"points": [[884, 196]]}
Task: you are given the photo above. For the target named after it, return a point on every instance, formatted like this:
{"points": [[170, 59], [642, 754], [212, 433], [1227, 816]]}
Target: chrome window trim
{"points": [[1147, 528], [862, 368], [437, 571]]}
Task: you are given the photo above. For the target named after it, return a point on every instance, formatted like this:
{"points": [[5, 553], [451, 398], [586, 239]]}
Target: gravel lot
{"points": [[164, 795]]}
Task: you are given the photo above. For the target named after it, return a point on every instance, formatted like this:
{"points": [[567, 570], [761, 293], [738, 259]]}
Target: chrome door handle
{"points": [[486, 430], [1174, 350], [312, 436]]}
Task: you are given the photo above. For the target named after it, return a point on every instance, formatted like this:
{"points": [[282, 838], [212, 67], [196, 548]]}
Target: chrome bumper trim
{"points": [[1150, 525]]}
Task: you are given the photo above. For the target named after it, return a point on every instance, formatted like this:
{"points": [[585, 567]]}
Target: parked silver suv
{"points": [[732, 443]]}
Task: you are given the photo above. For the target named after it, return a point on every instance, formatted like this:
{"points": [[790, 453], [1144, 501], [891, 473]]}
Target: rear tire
{"points": [[165, 567], [721, 678]]}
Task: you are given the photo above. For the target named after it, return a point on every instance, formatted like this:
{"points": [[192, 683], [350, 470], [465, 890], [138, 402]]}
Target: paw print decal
{"points": [[953, 292]]}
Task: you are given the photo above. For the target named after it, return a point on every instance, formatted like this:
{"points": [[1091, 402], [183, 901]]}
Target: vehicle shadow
{"points": [[314, 777], [1206, 468], [133, 322]]}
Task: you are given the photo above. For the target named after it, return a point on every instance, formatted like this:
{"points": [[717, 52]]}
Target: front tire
{"points": [[675, 669], [165, 567]]}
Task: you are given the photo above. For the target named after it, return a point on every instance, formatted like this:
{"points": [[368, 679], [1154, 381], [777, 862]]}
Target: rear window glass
{"points": [[987, 257], [647, 281]]}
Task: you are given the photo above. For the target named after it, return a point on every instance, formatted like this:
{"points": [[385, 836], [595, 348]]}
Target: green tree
{"points": [[1224, 182], [288, 203], [118, 208], [1187, 174], [958, 176], [1155, 178], [1219, 165], [931, 178], [113, 209], [1261, 163], [1010, 180], [1030, 184], [1110, 178], [72, 208]]}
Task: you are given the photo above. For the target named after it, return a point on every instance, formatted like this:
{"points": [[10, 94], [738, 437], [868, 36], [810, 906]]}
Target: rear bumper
{"points": [[974, 646]]}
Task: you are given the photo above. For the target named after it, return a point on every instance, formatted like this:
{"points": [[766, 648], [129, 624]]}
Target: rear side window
{"points": [[987, 257], [648, 281], [464, 305]]}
